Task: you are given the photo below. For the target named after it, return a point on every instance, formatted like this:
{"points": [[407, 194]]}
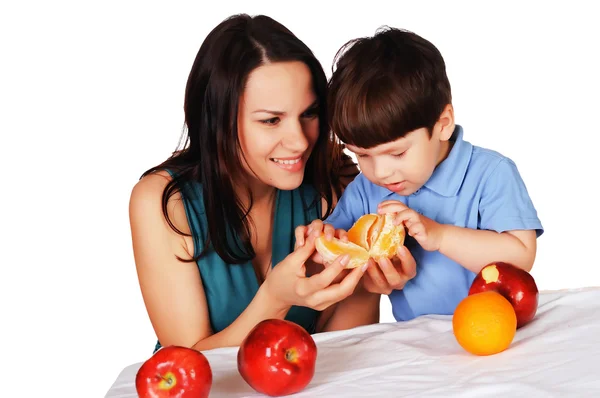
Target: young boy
{"points": [[463, 206]]}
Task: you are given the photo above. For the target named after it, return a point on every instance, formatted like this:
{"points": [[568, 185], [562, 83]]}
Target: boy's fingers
{"points": [[377, 277], [407, 262], [416, 229], [392, 202], [391, 206], [393, 277], [407, 217]]}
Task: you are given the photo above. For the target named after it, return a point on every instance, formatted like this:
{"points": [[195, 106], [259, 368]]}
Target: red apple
{"points": [[174, 372], [277, 358], [515, 284]]}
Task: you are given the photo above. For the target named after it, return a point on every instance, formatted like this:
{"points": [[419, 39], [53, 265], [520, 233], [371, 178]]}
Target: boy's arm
{"points": [[508, 225], [474, 249], [507, 229]]}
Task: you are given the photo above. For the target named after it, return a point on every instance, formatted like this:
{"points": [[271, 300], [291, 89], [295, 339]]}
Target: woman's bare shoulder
{"points": [[150, 186], [147, 198]]}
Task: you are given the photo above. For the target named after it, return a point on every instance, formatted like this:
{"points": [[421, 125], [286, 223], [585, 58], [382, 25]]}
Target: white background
{"points": [[91, 95]]}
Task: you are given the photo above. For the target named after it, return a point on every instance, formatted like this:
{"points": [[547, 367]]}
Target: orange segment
{"points": [[375, 230], [484, 323], [390, 238], [332, 249], [359, 233]]}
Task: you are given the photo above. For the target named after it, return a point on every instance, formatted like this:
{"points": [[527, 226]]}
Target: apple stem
{"points": [[290, 355], [168, 380]]}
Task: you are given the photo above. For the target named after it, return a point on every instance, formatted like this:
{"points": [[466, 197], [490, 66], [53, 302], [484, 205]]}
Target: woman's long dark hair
{"points": [[211, 152]]}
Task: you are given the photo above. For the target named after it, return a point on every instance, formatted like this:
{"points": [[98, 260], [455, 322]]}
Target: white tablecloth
{"points": [[554, 356]]}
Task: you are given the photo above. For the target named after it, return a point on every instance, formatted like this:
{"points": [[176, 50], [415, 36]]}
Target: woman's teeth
{"points": [[294, 161]]}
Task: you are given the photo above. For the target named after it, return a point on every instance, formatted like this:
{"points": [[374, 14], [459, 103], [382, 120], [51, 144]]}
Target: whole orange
{"points": [[484, 323]]}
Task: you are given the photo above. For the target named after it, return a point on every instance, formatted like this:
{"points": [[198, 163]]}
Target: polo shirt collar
{"points": [[449, 175]]}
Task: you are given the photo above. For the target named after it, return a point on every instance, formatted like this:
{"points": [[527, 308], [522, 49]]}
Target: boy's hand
{"points": [[426, 232], [391, 274]]}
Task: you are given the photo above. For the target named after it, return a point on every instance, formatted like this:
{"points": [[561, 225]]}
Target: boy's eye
{"points": [[399, 154], [272, 121]]}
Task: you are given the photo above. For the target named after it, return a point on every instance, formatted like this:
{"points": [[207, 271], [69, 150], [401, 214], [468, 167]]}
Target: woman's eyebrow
{"points": [[269, 111]]}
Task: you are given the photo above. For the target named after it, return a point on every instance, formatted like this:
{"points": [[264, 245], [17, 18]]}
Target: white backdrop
{"points": [[91, 95]]}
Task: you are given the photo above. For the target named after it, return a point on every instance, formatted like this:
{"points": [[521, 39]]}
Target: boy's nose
{"points": [[382, 170]]}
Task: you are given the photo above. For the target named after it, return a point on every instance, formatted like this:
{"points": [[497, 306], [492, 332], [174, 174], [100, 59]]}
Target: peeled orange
{"points": [[371, 236], [484, 323]]}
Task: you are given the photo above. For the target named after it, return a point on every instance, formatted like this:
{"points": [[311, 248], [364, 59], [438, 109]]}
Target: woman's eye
{"points": [[311, 113], [399, 154], [271, 121]]}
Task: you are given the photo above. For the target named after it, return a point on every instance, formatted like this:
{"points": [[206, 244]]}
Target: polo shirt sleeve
{"points": [[349, 208], [505, 204]]}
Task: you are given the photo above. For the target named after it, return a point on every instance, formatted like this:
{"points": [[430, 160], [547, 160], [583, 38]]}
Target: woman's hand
{"points": [[317, 227], [391, 274], [288, 285]]}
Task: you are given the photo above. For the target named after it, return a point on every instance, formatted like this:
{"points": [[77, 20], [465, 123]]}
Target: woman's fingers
{"points": [[300, 235], [341, 234], [323, 298], [329, 231], [327, 276], [315, 228], [316, 225], [302, 253]]}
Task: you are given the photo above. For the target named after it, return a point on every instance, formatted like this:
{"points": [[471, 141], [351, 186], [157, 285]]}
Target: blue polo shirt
{"points": [[474, 188]]}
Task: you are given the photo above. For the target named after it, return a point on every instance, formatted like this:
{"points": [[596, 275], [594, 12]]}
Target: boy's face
{"points": [[405, 165]]}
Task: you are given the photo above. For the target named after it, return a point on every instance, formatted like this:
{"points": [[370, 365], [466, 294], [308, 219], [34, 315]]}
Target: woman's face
{"points": [[278, 124]]}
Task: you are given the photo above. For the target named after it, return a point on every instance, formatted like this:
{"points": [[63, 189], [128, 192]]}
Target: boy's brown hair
{"points": [[386, 86]]}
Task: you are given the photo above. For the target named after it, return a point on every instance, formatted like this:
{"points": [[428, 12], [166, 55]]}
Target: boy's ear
{"points": [[445, 123]]}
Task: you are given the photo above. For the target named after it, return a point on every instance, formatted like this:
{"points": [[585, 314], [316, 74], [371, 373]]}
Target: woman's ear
{"points": [[445, 124]]}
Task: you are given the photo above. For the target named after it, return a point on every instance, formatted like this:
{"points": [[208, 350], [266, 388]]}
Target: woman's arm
{"points": [[360, 308], [172, 290]]}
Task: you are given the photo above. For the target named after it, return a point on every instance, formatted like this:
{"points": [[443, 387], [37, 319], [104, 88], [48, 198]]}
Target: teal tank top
{"points": [[230, 288]]}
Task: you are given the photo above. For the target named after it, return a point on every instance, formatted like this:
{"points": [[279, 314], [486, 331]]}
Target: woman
{"points": [[213, 226]]}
